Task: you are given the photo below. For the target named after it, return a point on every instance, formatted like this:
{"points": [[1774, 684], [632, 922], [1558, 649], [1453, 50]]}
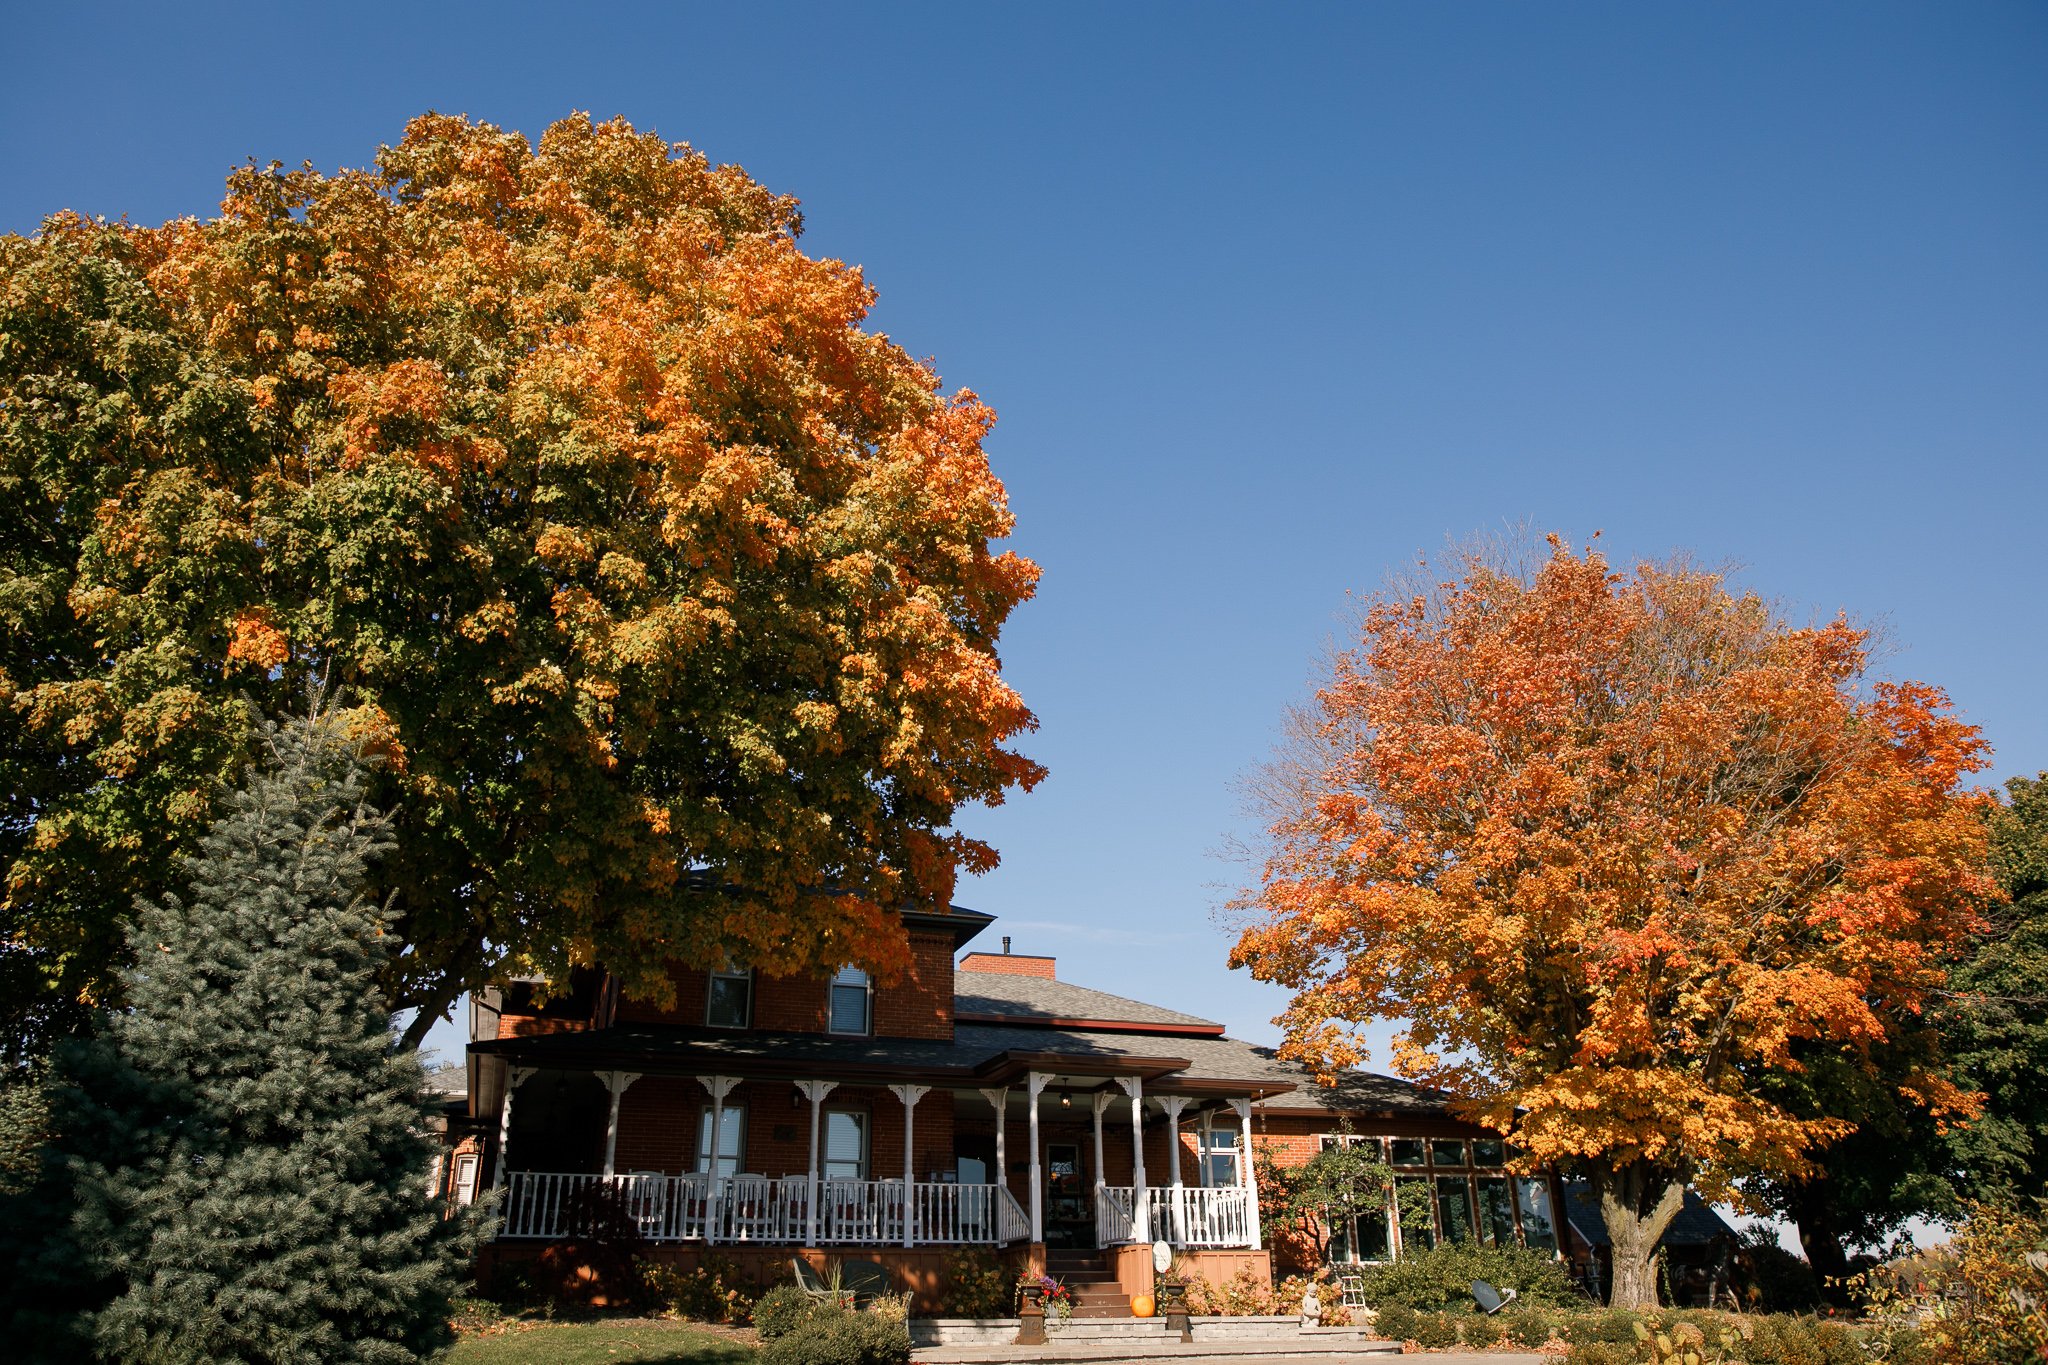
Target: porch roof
{"points": [[978, 1055]]}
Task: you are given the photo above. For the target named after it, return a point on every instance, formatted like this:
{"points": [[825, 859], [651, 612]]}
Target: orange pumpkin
{"points": [[1142, 1305]]}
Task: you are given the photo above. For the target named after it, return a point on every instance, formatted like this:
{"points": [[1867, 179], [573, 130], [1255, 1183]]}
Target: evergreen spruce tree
{"points": [[239, 1167]]}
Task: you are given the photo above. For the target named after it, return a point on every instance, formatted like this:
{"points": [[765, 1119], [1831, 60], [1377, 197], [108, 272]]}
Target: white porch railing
{"points": [[751, 1208], [1182, 1216]]}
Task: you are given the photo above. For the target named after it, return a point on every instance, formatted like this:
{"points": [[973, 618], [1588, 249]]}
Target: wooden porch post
{"points": [[910, 1095], [815, 1092], [720, 1087], [1173, 1105], [513, 1076], [1244, 1170], [616, 1082], [1141, 1216], [999, 1100], [1034, 1085], [1202, 1161]]}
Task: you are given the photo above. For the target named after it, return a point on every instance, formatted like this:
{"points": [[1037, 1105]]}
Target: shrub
{"points": [[1243, 1295], [1395, 1322], [1434, 1331], [1770, 1279], [714, 1290], [841, 1338], [977, 1286], [1529, 1327], [1441, 1277], [1615, 1327], [1601, 1353], [787, 1307], [1481, 1331]]}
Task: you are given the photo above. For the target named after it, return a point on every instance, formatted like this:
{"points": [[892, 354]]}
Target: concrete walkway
{"points": [[1272, 1351]]}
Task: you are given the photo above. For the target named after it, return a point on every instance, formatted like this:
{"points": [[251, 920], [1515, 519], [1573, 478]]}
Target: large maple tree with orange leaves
{"points": [[1615, 844], [649, 567]]}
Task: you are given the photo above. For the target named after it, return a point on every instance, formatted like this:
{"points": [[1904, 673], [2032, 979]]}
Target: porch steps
{"points": [[1087, 1276]]}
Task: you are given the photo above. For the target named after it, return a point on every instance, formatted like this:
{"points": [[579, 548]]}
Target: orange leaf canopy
{"points": [[1612, 843]]}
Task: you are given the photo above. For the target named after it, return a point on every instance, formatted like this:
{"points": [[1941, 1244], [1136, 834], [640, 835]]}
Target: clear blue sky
{"points": [[1271, 298]]}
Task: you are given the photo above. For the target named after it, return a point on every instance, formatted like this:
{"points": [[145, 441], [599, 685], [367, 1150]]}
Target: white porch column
{"points": [[720, 1087], [815, 1092], [513, 1076], [1202, 1150], [616, 1082], [1141, 1220], [1099, 1102], [910, 1095], [1173, 1105], [999, 1100], [1034, 1085], [1244, 1170]]}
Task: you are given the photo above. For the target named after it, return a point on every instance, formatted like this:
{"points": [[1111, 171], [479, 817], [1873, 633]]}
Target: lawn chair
{"points": [[1491, 1300], [812, 1283], [865, 1280]]}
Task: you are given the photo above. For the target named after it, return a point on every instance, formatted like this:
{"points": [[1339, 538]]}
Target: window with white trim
{"points": [[845, 1144], [1219, 1157], [729, 1001], [732, 1139], [852, 998]]}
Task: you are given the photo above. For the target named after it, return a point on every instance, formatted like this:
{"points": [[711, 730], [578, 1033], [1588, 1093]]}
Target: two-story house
{"points": [[980, 1101]]}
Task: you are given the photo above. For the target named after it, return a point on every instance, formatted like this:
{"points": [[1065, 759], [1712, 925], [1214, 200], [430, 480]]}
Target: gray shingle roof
{"points": [[1033, 997]]}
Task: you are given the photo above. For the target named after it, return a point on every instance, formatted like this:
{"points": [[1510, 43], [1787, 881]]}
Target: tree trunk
{"points": [[1820, 1237], [1637, 1204]]}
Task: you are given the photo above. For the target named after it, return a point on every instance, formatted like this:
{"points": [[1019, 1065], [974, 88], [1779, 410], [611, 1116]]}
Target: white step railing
{"points": [[1182, 1216], [750, 1208]]}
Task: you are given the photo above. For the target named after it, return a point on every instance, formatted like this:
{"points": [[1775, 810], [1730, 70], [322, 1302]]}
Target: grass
{"points": [[644, 1340]]}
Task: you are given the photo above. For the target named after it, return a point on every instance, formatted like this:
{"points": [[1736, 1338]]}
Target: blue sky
{"points": [[1270, 299]]}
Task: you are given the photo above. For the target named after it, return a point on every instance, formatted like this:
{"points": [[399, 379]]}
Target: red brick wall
{"points": [[1009, 964], [918, 1006]]}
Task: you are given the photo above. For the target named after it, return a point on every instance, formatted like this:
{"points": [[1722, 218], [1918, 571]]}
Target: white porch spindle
{"points": [[1141, 1223], [513, 1076], [999, 1100], [720, 1087], [815, 1092], [616, 1082], [1244, 1172], [910, 1095], [1034, 1085], [1173, 1105]]}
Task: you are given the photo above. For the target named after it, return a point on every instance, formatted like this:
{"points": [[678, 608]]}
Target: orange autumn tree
{"points": [[669, 588], [1612, 843]]}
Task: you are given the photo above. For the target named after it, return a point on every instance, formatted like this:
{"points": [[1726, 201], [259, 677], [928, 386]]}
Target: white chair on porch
{"points": [[892, 1199], [793, 1208], [647, 1202], [692, 1200], [752, 1201]]}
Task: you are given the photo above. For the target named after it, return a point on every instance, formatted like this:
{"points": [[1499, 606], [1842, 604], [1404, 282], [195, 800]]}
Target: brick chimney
{"points": [[1006, 963]]}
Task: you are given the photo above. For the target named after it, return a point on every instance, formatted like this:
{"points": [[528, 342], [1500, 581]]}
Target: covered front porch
{"points": [[1073, 1152]]}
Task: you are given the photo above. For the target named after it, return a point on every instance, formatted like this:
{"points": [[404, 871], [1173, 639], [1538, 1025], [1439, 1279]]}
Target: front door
{"points": [[1069, 1212]]}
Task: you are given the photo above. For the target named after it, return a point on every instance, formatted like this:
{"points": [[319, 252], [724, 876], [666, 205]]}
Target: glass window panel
{"points": [[1219, 1158], [732, 1124], [1489, 1152], [1447, 1153], [850, 997], [1496, 1211], [846, 1144], [1454, 1209], [730, 999], [1374, 1239], [1539, 1229], [1418, 1221], [1407, 1151]]}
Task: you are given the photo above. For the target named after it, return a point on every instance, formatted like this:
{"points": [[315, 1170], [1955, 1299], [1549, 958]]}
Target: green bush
{"points": [[1614, 1327], [1802, 1341], [787, 1307], [1441, 1277], [841, 1338], [1434, 1331], [1770, 1279], [1481, 1331], [714, 1290], [1395, 1322], [1601, 1353], [1529, 1327]]}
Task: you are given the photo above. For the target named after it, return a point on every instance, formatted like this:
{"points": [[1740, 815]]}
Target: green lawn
{"points": [[589, 1343]]}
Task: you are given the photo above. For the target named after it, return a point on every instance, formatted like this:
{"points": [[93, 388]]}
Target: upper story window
{"points": [[852, 1001], [729, 1003]]}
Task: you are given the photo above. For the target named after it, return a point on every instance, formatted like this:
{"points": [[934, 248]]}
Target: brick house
{"points": [[979, 1102]]}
